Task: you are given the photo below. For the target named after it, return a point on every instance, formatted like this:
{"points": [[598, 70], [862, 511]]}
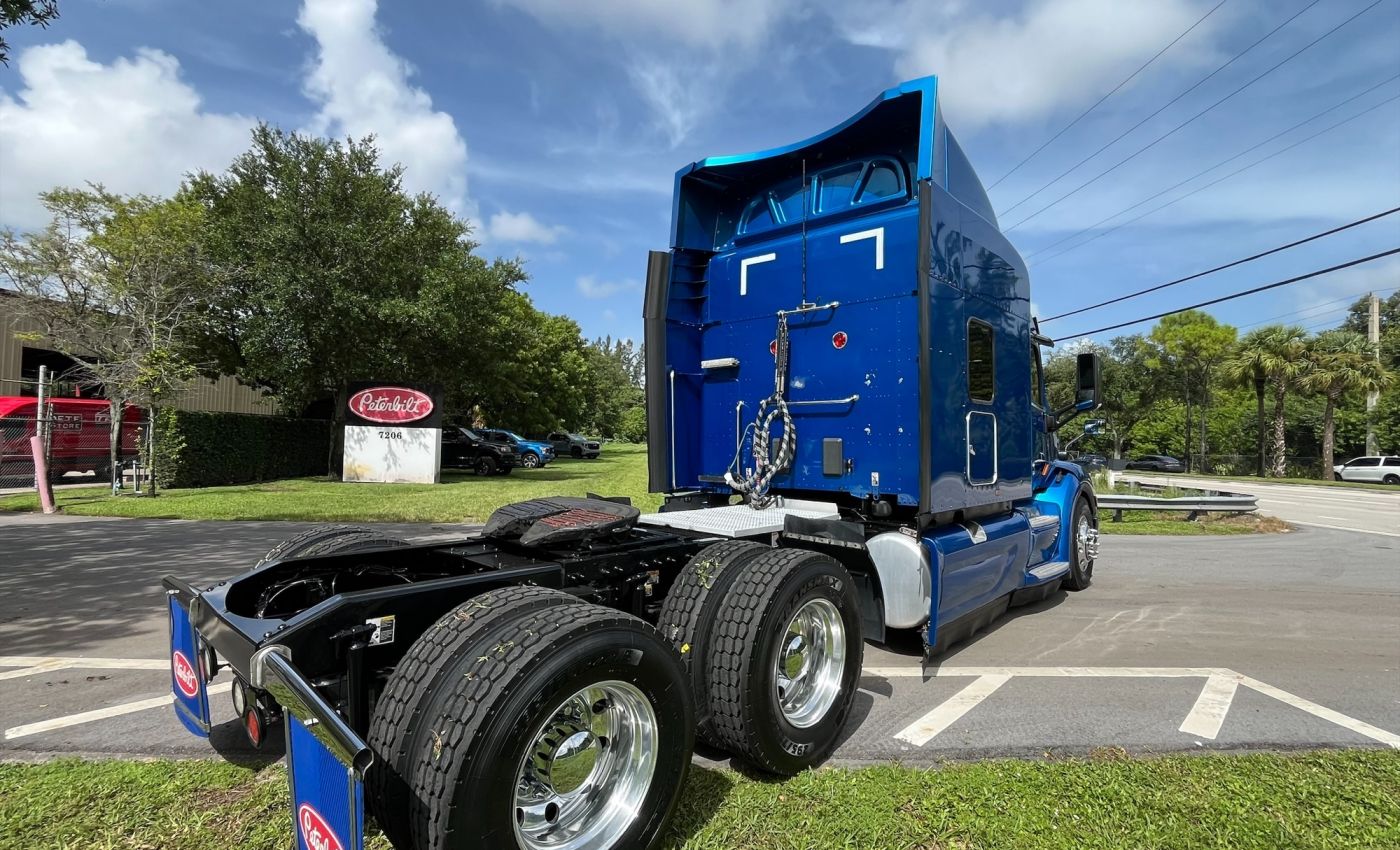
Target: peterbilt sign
{"points": [[394, 404], [391, 405]]}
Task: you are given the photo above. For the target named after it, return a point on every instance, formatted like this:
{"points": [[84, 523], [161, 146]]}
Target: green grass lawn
{"points": [[1264, 801], [620, 471], [1174, 523], [464, 497]]}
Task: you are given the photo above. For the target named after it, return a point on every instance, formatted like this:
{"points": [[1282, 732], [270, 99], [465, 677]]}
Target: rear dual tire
{"points": [[529, 720], [772, 639]]}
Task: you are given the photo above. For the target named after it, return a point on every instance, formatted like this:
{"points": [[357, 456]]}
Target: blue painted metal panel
{"points": [[328, 804], [727, 286], [186, 680], [969, 574], [1057, 487]]}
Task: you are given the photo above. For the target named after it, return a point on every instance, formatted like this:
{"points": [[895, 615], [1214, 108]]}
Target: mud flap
{"points": [[326, 760], [186, 680], [328, 801]]}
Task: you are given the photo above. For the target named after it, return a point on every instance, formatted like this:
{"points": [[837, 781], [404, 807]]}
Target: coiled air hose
{"points": [[755, 482]]}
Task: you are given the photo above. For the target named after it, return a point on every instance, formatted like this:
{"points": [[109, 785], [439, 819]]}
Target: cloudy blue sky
{"points": [[556, 125]]}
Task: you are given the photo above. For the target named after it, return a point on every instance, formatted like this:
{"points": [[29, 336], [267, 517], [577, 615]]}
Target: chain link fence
{"points": [[76, 433]]}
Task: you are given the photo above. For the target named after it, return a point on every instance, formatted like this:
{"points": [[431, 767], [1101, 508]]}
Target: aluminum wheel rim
{"points": [[583, 778], [811, 659], [1081, 534]]}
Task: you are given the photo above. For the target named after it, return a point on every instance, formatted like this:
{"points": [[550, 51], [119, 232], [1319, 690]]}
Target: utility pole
{"points": [[1373, 333]]}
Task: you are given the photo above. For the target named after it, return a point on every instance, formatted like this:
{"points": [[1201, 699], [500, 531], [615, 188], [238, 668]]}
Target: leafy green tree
{"points": [[615, 372], [114, 283], [1271, 355], [1192, 345], [540, 378], [1339, 362], [15, 12], [332, 272]]}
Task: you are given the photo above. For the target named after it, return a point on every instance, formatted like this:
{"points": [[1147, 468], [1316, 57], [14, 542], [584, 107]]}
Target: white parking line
{"points": [[1342, 720], [1204, 720], [84, 663], [99, 714], [1211, 706], [928, 727], [1344, 528]]}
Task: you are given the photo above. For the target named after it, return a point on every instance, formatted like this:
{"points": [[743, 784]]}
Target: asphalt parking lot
{"points": [[1260, 642]]}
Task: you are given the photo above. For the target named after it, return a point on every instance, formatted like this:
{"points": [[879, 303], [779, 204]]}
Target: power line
{"points": [[1235, 295], [1314, 308], [1204, 172], [1099, 102], [1228, 265], [1161, 108], [1190, 120], [1220, 180]]}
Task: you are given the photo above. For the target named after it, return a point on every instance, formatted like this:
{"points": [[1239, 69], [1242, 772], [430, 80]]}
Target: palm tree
{"points": [[1270, 355], [1340, 361]]}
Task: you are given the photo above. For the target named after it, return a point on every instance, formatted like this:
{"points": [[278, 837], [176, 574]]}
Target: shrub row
{"points": [[209, 449]]}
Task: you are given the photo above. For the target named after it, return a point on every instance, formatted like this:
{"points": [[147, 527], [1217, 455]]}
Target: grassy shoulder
{"points": [[620, 471], [1318, 800], [1175, 524]]}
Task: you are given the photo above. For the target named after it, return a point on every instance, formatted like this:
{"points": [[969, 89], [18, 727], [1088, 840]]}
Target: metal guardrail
{"points": [[1194, 505]]}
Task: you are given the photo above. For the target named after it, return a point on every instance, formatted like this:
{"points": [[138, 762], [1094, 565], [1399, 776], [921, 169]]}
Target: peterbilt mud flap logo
{"points": [[185, 677], [315, 832]]}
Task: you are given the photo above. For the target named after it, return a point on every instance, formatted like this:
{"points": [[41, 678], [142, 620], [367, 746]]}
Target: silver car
{"points": [[1382, 469]]}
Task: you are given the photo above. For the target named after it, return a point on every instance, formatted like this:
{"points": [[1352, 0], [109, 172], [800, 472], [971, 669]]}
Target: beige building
{"points": [[20, 360]]}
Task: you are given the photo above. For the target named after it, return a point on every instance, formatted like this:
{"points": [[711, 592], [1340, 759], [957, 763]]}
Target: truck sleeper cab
{"points": [[843, 420]]}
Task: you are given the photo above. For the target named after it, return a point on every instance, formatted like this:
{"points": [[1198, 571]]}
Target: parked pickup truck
{"points": [[574, 445], [464, 448], [79, 431], [533, 453]]}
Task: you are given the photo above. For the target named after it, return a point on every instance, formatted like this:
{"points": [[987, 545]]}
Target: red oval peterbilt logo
{"points": [[185, 677], [391, 405], [317, 834]]}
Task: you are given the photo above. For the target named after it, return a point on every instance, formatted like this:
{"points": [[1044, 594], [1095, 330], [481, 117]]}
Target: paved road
{"points": [[1275, 641], [1342, 508]]}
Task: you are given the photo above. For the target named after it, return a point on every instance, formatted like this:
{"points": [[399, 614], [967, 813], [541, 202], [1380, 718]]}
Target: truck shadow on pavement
{"points": [[92, 587]]}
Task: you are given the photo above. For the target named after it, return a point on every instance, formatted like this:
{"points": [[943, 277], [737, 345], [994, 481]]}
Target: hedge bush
{"points": [[209, 449]]}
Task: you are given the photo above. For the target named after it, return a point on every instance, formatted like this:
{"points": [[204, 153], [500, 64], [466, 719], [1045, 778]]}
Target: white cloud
{"points": [[133, 125], [364, 88], [591, 287], [1026, 64], [521, 227], [697, 23]]}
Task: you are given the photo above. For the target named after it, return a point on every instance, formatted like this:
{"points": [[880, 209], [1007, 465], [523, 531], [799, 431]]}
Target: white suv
{"points": [[1383, 469]]}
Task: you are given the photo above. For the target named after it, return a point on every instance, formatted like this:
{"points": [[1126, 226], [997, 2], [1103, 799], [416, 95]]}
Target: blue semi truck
{"points": [[849, 423]]}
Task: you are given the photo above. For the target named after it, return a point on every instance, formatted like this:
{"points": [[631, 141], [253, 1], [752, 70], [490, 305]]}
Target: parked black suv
{"points": [[1157, 463], [463, 448], [573, 445]]}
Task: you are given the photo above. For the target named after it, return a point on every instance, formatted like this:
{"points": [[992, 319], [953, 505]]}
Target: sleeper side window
{"points": [[981, 362]]}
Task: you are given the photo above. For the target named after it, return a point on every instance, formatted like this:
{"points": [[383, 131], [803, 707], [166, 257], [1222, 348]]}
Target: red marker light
{"points": [[773, 348], [838, 340]]}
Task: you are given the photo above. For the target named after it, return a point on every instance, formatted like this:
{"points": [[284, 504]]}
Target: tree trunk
{"points": [[1328, 435], [114, 436], [151, 448], [1186, 440], [1259, 419], [1204, 413], [337, 434], [1280, 466]]}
